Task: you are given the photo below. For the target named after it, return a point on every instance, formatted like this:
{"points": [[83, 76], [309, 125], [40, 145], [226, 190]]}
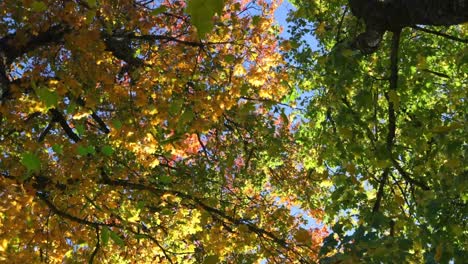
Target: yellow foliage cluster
{"points": [[113, 140]]}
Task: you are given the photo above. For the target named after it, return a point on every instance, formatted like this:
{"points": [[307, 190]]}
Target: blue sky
{"points": [[281, 14]]}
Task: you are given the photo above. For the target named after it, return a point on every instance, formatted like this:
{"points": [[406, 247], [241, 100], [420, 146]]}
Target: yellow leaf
{"points": [[154, 163], [239, 70], [326, 183]]}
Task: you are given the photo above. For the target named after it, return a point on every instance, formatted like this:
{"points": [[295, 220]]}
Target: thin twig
{"points": [[442, 75], [340, 25], [205, 151], [406, 176], [438, 33]]}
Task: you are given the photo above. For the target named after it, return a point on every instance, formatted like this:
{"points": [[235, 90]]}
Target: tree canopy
{"points": [[173, 131], [386, 131]]}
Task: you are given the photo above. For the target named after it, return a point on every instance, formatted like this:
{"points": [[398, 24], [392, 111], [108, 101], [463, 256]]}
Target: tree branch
{"points": [[391, 115], [102, 126], [441, 34], [380, 192], [174, 39], [340, 25], [406, 176], [9, 47], [199, 203], [58, 117], [393, 87], [68, 216], [442, 75], [45, 132], [96, 248]]}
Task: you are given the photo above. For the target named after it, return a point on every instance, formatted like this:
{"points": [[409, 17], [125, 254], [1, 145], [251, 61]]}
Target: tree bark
{"points": [[392, 15]]}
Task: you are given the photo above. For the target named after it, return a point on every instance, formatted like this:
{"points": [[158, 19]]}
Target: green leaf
{"points": [[83, 151], [165, 179], [91, 150], [50, 98], [187, 116], [255, 20], [116, 238], [176, 106], [166, 211], [71, 107], [107, 150], [105, 235], [90, 16], [229, 58], [57, 149], [212, 259], [80, 129], [141, 236], [38, 6], [202, 12], [117, 124], [91, 3], [31, 162], [159, 10], [137, 53]]}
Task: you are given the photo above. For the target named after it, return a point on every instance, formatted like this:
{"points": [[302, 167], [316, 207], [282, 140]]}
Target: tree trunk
{"points": [[392, 15]]}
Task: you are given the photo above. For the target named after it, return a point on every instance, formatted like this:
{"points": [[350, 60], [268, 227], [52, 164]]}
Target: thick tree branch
{"points": [[96, 248], [57, 116], [393, 88], [391, 15], [380, 191], [391, 115], [396, 14], [177, 40], [53, 35], [4, 81], [102, 125]]}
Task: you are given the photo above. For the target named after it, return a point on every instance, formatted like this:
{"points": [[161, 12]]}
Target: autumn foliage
{"points": [[194, 131], [129, 135]]}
